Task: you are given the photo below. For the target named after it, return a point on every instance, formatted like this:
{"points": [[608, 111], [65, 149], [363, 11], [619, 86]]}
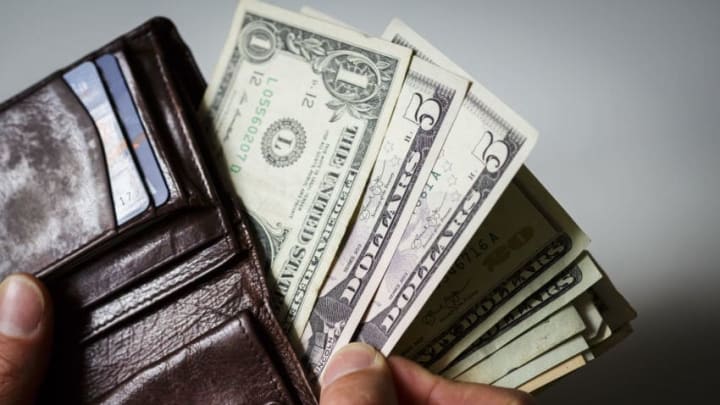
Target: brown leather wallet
{"points": [[170, 307]]}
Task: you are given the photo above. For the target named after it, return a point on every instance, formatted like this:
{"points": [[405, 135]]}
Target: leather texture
{"points": [[171, 307], [44, 137], [198, 371]]}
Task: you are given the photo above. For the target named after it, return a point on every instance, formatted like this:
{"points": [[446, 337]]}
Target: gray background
{"points": [[625, 96]]}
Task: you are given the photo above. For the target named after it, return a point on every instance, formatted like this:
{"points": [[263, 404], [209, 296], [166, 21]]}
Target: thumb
{"points": [[357, 375], [25, 325]]}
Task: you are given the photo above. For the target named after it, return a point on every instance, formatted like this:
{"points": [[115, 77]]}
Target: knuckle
{"points": [[9, 369], [10, 375]]}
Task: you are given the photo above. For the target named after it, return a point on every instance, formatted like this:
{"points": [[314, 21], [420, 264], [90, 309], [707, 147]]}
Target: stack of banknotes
{"points": [[388, 188]]}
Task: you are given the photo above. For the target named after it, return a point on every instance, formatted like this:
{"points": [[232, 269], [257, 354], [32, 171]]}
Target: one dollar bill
{"points": [[300, 108]]}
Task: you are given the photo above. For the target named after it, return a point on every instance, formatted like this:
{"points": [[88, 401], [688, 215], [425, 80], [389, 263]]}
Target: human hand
{"points": [[25, 329], [359, 375]]}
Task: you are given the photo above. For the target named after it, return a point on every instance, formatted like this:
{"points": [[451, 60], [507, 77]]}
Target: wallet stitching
{"points": [[266, 364]]}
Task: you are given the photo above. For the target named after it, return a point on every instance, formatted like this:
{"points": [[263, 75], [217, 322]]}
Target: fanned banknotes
{"points": [[428, 104], [525, 242], [389, 190], [559, 293], [543, 337], [485, 148]]}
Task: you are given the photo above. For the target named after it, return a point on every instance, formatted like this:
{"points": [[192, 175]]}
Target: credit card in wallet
{"points": [[134, 130], [127, 189]]}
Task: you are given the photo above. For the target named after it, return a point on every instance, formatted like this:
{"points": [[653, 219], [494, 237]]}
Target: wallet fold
{"points": [[170, 306]]}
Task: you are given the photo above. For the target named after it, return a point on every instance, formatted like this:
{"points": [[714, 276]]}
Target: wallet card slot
{"points": [[177, 196], [135, 334], [133, 301], [136, 259], [55, 198], [107, 346], [129, 255], [166, 127], [73, 246]]}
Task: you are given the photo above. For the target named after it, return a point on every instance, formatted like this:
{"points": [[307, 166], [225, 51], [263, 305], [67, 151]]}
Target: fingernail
{"points": [[351, 358], [21, 307]]}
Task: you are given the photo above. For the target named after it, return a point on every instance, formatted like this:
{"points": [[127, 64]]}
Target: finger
{"points": [[357, 375], [418, 386], [25, 323]]}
